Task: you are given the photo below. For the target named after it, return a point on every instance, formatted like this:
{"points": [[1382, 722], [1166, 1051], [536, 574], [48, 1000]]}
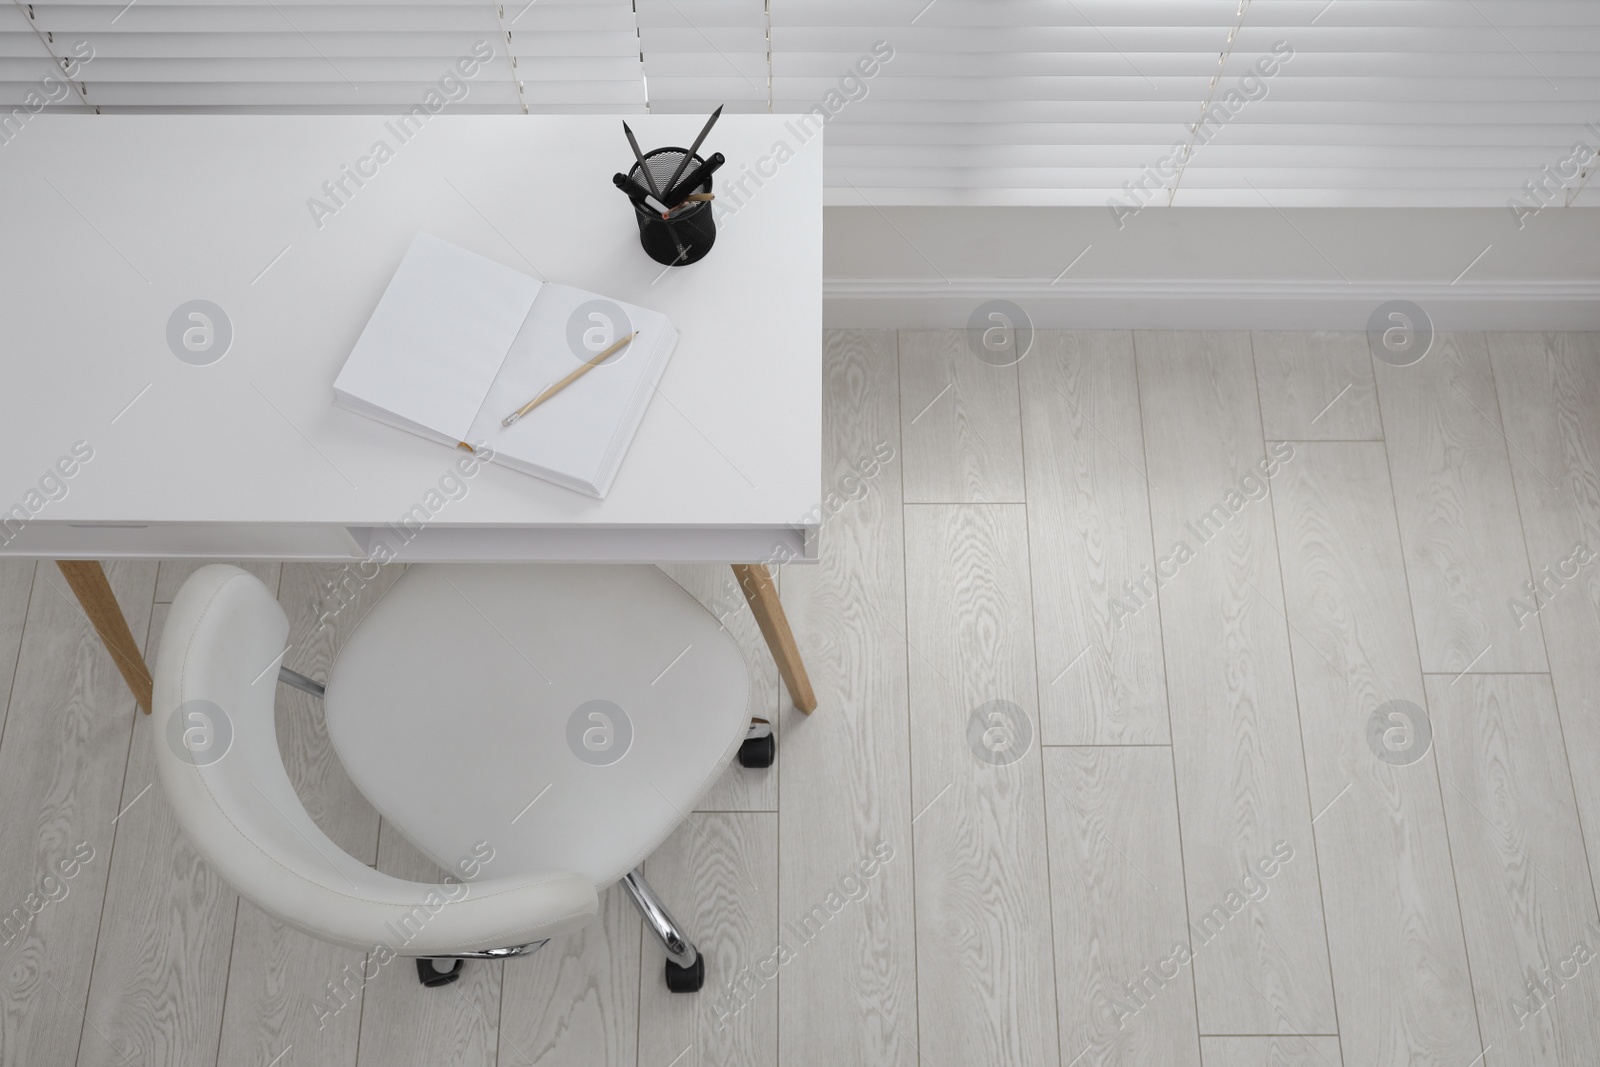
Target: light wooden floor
{"points": [[1171, 842]]}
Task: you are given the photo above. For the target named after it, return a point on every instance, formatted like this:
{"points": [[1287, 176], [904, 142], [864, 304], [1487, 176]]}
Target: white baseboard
{"points": [[855, 303]]}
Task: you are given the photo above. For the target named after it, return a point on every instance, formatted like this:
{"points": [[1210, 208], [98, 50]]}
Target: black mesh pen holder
{"points": [[691, 231]]}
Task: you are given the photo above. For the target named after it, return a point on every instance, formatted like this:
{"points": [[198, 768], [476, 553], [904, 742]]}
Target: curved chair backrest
{"points": [[215, 679]]}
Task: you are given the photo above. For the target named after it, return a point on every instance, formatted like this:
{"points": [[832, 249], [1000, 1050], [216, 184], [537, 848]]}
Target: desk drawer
{"points": [[594, 544], [63, 540]]}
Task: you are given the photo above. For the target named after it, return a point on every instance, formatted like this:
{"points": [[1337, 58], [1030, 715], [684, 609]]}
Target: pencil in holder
{"points": [[689, 234]]}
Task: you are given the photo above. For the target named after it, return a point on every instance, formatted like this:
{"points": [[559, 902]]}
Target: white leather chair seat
{"points": [[451, 708]]}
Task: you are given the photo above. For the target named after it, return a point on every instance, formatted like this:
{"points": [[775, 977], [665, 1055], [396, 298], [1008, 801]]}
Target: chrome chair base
{"points": [[686, 968], [680, 949]]}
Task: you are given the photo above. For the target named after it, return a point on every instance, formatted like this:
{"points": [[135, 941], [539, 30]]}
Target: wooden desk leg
{"points": [[88, 581], [756, 581]]}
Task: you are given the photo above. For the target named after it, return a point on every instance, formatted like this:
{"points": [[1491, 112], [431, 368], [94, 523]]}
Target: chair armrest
{"points": [[239, 810], [258, 836]]}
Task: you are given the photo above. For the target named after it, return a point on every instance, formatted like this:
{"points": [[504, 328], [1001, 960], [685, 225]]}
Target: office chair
{"points": [[534, 730]]}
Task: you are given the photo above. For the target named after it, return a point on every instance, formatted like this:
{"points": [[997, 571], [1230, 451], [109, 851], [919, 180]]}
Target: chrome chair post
{"points": [[680, 949], [300, 682]]}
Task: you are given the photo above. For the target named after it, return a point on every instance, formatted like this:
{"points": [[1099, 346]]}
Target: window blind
{"points": [[301, 55], [702, 53], [1234, 102], [1382, 102]]}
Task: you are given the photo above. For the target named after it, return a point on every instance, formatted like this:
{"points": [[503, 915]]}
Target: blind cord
{"points": [[27, 11]]}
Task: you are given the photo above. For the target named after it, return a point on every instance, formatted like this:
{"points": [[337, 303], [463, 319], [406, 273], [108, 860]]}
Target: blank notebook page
{"points": [[573, 430], [439, 333]]}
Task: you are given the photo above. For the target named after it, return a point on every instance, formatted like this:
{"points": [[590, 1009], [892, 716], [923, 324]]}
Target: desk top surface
{"points": [[112, 222]]}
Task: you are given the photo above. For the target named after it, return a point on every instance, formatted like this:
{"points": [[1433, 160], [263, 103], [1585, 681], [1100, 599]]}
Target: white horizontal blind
{"points": [[302, 55], [702, 53], [1384, 102], [576, 56]]}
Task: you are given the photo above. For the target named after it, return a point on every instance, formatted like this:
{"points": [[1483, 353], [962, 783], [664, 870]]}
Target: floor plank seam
{"points": [[1299, 716], [1438, 776]]}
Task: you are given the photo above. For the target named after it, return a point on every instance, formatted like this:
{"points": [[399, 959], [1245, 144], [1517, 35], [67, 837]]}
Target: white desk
{"points": [[111, 223]]}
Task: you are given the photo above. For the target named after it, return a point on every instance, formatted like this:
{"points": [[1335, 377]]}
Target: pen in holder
{"points": [[690, 230]]}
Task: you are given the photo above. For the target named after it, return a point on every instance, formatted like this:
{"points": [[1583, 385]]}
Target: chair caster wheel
{"points": [[431, 976], [687, 979], [759, 747], [758, 752]]}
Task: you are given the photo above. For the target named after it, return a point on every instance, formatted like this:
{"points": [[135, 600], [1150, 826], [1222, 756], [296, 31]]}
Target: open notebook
{"points": [[458, 342]]}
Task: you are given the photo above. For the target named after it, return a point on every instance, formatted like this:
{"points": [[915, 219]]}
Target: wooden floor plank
{"points": [[1235, 731], [718, 876], [981, 865], [1549, 386], [16, 587], [278, 984], [62, 761], [845, 796], [1101, 679], [1316, 386], [166, 929], [1124, 983], [1391, 911], [403, 1021], [1458, 510], [279, 998], [575, 1002], [1525, 895], [959, 420], [1271, 1051]]}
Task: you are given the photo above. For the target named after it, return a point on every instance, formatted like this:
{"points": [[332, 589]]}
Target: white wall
{"points": [[1213, 268]]}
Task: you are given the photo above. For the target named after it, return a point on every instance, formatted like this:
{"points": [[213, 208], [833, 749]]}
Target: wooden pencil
{"points": [[568, 380]]}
